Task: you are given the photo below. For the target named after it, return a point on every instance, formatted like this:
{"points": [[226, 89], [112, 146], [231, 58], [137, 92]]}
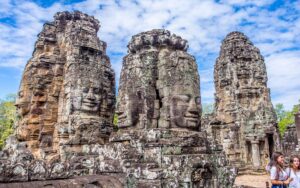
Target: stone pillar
{"points": [[297, 123], [255, 153]]}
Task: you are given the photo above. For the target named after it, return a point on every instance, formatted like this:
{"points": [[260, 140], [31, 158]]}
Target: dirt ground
{"points": [[258, 181]]}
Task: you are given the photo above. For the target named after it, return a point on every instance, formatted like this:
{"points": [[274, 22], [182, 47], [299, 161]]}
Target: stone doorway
{"points": [[271, 144], [249, 152]]}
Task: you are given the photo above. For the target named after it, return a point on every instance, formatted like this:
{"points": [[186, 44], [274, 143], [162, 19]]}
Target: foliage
{"points": [[285, 118], [280, 112], [115, 121], [7, 118]]}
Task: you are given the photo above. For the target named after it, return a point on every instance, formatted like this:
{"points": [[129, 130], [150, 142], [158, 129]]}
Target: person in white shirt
{"points": [[279, 178], [294, 172]]}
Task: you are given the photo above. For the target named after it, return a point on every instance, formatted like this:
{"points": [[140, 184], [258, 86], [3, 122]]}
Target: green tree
{"points": [[7, 117], [285, 118], [115, 121], [280, 112]]}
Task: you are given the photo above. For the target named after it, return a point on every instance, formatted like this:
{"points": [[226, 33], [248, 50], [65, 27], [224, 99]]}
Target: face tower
{"points": [[67, 89], [244, 113]]}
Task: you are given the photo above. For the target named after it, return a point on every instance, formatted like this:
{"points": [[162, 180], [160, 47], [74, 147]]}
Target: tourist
{"points": [[294, 172], [279, 178]]}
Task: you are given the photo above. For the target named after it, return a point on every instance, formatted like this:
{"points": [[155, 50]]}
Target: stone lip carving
{"points": [[244, 120], [159, 83]]}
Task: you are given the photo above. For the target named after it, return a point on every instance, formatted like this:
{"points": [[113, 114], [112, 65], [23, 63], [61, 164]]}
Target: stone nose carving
{"points": [[90, 95], [22, 107], [193, 110]]}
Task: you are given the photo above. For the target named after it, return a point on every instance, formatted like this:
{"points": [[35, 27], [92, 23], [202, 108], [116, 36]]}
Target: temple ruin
{"points": [[291, 137], [244, 120], [66, 104], [159, 82], [67, 100], [159, 115], [290, 140]]}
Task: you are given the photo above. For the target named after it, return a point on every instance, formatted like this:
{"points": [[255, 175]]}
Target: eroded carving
{"points": [[243, 111], [159, 83]]}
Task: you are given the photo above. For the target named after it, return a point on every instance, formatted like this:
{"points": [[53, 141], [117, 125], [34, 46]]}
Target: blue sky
{"points": [[273, 26]]}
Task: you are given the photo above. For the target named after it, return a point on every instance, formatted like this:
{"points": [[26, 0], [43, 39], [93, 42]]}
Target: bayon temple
{"points": [[65, 136]]}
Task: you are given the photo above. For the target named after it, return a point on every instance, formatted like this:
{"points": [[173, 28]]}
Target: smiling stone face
{"points": [[185, 100], [88, 99], [185, 110], [90, 102], [127, 112]]}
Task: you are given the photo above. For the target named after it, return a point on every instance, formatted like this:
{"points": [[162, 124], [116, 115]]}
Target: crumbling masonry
{"points": [[67, 99]]}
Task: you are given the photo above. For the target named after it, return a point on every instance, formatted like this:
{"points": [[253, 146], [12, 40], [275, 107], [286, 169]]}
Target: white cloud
{"points": [[248, 2], [283, 71], [5, 5]]}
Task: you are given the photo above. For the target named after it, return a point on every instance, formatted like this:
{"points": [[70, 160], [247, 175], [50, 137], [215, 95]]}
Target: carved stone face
{"points": [[185, 101], [91, 99], [185, 110], [87, 99], [23, 103], [127, 112]]}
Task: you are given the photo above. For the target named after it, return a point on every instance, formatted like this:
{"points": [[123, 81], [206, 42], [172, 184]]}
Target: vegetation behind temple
{"points": [[7, 117], [285, 117]]}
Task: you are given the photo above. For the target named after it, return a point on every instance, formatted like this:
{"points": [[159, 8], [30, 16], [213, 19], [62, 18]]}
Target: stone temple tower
{"points": [[159, 84], [67, 92], [244, 118], [159, 112]]}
